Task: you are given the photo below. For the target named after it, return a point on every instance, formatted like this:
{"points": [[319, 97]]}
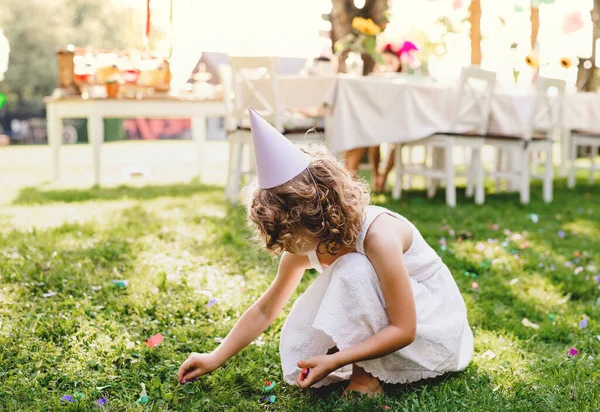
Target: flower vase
{"points": [[354, 64]]}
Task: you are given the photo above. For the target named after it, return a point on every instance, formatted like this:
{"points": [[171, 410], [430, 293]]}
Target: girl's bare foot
{"points": [[380, 183], [363, 382]]}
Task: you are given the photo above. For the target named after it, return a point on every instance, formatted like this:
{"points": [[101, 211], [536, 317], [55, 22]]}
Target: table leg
{"points": [[96, 137], [55, 132], [199, 136]]}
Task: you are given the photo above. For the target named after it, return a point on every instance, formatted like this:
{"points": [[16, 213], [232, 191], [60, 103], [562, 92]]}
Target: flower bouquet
{"points": [[363, 39]]}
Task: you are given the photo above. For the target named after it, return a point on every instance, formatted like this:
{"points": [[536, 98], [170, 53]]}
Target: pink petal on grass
{"points": [[573, 352], [155, 340]]}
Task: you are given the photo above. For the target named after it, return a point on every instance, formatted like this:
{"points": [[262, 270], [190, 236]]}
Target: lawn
{"points": [[179, 245]]}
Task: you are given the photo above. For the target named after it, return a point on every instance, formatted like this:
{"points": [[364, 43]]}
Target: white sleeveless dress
{"points": [[345, 305]]}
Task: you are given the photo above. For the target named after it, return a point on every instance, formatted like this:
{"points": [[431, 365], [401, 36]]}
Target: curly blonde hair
{"points": [[330, 208]]}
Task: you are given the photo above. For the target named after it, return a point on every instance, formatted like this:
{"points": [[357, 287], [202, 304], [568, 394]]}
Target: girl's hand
{"points": [[197, 364], [320, 368]]}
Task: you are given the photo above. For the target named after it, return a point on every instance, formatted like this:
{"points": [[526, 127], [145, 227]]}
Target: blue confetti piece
{"points": [[67, 398], [583, 323], [561, 234], [101, 402], [211, 302]]}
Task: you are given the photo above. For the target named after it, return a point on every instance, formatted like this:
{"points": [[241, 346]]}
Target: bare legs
{"points": [[354, 156]]}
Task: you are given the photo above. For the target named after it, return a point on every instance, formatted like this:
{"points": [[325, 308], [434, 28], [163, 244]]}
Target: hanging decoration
{"points": [[148, 24], [572, 22]]}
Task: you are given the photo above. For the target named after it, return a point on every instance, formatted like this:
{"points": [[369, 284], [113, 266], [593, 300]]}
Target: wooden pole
{"points": [[535, 25], [475, 20]]}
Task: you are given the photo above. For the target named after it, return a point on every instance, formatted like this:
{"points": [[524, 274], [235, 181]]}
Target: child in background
{"points": [[384, 308]]}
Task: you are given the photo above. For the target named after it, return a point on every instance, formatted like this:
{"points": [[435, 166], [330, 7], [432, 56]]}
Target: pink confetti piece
{"points": [[480, 247], [155, 340], [494, 226], [475, 286], [443, 241], [489, 354], [304, 373], [573, 352], [583, 323]]}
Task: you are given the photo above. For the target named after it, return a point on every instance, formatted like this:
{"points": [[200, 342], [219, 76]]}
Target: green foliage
{"points": [[180, 245]]}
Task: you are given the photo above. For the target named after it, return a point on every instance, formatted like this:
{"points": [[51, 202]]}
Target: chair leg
{"points": [[525, 177], [237, 175], [478, 176], [450, 181], [230, 168], [572, 170], [436, 153], [592, 164], [397, 190], [497, 167], [410, 164], [548, 175], [470, 171]]}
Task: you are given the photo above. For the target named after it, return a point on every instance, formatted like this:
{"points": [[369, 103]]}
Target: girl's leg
{"points": [[374, 159], [363, 382], [353, 158]]}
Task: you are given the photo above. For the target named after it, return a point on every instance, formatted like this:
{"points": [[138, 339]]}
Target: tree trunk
{"points": [[585, 76], [475, 20], [342, 13]]}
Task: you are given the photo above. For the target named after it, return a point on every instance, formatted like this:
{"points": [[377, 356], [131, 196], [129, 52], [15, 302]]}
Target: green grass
{"points": [[181, 244]]}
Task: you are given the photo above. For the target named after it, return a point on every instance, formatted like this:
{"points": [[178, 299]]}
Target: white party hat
{"points": [[277, 159]]}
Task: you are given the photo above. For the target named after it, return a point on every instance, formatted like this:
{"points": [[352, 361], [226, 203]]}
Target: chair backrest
{"points": [[254, 83], [475, 92], [547, 109]]}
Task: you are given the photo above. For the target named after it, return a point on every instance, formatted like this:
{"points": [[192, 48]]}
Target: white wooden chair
{"points": [[245, 74], [472, 110], [583, 139], [543, 126]]}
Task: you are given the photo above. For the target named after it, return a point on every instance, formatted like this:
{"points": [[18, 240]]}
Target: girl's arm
{"points": [[264, 311], [252, 323], [386, 241]]}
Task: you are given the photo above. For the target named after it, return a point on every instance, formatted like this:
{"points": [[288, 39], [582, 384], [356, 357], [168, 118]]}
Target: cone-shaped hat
{"points": [[277, 159]]}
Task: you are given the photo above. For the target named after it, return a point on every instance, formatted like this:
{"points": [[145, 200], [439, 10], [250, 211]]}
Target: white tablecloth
{"points": [[369, 111]]}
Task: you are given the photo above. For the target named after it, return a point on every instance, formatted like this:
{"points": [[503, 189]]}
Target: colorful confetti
{"points": [[513, 281], [583, 323], [144, 398], [475, 286], [578, 270], [121, 284], [561, 234], [79, 396], [101, 402], [130, 345], [529, 324], [489, 354], [211, 302], [155, 340], [67, 398], [49, 294], [534, 218], [304, 373], [573, 352], [269, 385], [270, 399], [494, 226], [552, 316]]}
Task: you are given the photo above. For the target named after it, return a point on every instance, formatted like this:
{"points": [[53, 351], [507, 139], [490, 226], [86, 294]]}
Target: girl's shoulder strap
{"points": [[371, 212]]}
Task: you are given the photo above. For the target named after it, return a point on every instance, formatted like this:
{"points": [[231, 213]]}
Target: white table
{"points": [[95, 110], [369, 111]]}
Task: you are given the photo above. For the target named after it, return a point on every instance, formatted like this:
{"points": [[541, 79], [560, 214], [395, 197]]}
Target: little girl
{"points": [[384, 308]]}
